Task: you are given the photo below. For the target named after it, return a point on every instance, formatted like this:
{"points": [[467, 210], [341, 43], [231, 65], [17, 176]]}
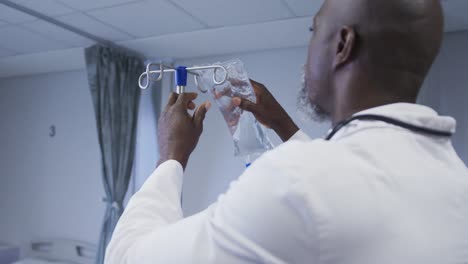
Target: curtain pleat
{"points": [[113, 82]]}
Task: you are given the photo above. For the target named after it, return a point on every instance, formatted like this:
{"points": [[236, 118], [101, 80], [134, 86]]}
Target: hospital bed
{"points": [[59, 251]]}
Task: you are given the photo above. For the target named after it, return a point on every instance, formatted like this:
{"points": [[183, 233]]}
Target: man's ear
{"points": [[346, 46]]}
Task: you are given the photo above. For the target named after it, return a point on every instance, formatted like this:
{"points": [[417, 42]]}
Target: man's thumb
{"points": [[200, 114], [244, 104]]}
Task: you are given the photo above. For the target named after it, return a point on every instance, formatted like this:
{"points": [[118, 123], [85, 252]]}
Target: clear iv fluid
{"points": [[249, 136]]}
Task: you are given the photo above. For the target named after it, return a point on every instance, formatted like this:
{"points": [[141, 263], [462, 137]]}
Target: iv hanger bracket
{"points": [[181, 73]]}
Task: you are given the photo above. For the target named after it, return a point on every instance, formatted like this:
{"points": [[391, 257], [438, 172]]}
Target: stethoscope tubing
{"points": [[389, 120]]}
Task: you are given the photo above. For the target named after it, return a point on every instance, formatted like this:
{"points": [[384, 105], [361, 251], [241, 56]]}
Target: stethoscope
{"points": [[389, 120]]}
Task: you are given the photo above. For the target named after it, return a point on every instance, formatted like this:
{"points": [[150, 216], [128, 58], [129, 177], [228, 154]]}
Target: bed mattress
{"points": [[39, 261]]}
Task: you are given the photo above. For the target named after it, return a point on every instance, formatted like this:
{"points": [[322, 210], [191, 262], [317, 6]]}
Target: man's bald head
{"points": [[402, 36], [383, 48]]}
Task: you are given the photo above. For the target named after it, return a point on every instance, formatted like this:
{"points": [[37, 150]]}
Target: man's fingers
{"points": [[191, 105], [254, 82], [172, 100], [237, 82], [200, 114], [259, 89], [245, 104], [225, 92], [185, 98]]}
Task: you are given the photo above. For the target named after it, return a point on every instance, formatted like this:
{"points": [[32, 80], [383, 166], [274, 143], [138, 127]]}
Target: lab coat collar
{"points": [[415, 114]]}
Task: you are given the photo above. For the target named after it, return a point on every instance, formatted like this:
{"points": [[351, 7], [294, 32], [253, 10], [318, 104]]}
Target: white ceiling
{"points": [[171, 28], [304, 8], [216, 13], [155, 18], [124, 20]]}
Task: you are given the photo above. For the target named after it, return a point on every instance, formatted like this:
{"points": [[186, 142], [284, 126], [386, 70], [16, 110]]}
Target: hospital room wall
{"points": [[51, 187], [212, 166]]}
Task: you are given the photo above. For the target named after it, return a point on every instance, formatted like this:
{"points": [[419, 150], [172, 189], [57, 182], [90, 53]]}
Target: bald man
{"points": [[385, 186]]}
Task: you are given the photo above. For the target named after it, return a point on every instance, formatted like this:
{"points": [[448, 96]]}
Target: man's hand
{"points": [[178, 131], [268, 111]]}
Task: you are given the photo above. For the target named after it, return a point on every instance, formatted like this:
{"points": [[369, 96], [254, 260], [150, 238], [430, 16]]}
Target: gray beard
{"points": [[306, 109]]}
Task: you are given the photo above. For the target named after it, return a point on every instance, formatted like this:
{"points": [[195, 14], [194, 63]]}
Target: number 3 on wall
{"points": [[52, 131]]}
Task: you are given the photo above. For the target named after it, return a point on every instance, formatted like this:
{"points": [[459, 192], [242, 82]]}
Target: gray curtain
{"points": [[113, 81]]}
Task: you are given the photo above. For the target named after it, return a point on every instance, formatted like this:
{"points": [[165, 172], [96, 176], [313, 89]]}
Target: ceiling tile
{"points": [[13, 16], [305, 7], [23, 41], [235, 12], [6, 52], [284, 33], [85, 5], [92, 26], [148, 18], [54, 32], [46, 7]]}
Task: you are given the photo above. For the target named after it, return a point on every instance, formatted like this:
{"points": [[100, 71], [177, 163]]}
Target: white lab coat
{"points": [[376, 193]]}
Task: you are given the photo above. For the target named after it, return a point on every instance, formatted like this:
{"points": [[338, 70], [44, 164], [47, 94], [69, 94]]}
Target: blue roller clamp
{"points": [[181, 76]]}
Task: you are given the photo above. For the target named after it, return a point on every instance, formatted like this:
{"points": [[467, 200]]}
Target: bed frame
{"points": [[63, 250]]}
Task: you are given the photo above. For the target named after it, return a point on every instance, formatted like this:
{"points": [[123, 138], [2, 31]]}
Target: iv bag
{"points": [[249, 136]]}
